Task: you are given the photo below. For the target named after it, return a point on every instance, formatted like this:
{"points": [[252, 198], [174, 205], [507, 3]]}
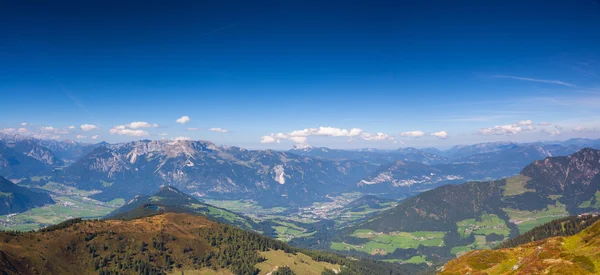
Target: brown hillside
{"points": [[85, 247]]}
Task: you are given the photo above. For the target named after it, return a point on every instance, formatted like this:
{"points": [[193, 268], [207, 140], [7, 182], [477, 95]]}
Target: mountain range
{"points": [[296, 177]]}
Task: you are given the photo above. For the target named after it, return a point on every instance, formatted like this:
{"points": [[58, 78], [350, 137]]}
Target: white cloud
{"points": [[23, 123], [300, 136], [48, 129], [326, 131], [193, 129], [71, 127], [183, 119], [441, 134], [298, 140], [509, 129], [544, 124], [501, 130], [95, 136], [414, 134], [268, 139], [220, 130], [124, 131], [88, 127], [163, 134], [552, 132], [524, 123], [377, 136], [141, 124], [81, 136], [558, 82], [182, 138], [133, 129]]}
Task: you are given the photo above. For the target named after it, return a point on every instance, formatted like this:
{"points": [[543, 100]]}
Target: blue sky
{"points": [[272, 73]]}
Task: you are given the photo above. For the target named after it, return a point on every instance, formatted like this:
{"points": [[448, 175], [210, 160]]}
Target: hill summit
{"points": [[170, 199]]}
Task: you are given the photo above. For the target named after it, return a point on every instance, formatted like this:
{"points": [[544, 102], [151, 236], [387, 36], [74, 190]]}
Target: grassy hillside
{"points": [[450, 220], [561, 227], [169, 199], [578, 254], [14, 198], [165, 243]]}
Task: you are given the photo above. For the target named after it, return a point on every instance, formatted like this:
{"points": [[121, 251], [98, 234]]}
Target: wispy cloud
{"points": [[220, 28], [557, 82], [219, 130], [509, 129]]}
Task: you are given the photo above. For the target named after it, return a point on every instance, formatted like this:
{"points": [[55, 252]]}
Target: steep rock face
{"points": [[32, 148], [201, 166], [574, 176], [69, 150], [101, 166], [14, 198]]}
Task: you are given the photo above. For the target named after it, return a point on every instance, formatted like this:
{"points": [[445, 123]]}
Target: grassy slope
{"points": [[82, 245], [299, 263], [578, 254]]}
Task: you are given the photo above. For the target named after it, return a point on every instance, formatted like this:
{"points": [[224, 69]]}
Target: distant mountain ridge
{"points": [[202, 166], [296, 177]]}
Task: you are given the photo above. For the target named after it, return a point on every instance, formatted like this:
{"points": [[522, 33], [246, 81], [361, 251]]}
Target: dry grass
{"points": [[578, 254], [299, 263]]}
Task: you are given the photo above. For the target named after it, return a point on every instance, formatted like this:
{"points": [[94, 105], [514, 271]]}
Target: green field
{"points": [[516, 186], [38, 178], [70, 203], [486, 225], [229, 216], [527, 220], [412, 260], [458, 250], [385, 243], [240, 206], [66, 207], [62, 189], [106, 183], [286, 231], [588, 203]]}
